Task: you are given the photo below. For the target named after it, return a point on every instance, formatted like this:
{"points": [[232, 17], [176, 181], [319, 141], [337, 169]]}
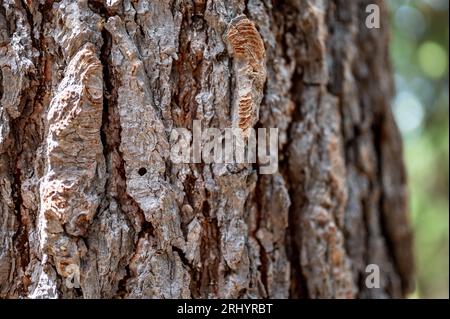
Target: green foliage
{"points": [[420, 57]]}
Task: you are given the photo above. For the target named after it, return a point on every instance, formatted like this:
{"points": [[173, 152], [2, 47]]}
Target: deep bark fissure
{"points": [[1, 84], [27, 141], [298, 287]]}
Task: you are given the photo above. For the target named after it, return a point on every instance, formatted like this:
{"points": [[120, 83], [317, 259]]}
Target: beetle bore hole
{"points": [[142, 171]]}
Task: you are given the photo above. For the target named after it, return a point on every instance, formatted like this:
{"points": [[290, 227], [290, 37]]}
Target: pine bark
{"points": [[90, 91]]}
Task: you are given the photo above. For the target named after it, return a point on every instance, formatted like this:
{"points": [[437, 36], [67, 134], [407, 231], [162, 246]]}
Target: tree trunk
{"points": [[90, 91]]}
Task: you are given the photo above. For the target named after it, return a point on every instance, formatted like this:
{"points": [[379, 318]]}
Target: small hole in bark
{"points": [[142, 171]]}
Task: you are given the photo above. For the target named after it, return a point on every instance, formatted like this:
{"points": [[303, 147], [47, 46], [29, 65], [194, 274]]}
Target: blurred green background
{"points": [[419, 51]]}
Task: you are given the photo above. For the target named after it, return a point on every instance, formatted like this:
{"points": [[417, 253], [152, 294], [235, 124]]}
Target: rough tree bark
{"points": [[89, 92]]}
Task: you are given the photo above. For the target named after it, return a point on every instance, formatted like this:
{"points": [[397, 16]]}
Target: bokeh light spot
{"points": [[408, 111], [432, 59]]}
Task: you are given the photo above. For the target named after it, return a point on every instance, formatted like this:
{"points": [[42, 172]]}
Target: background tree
{"points": [[89, 93]]}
